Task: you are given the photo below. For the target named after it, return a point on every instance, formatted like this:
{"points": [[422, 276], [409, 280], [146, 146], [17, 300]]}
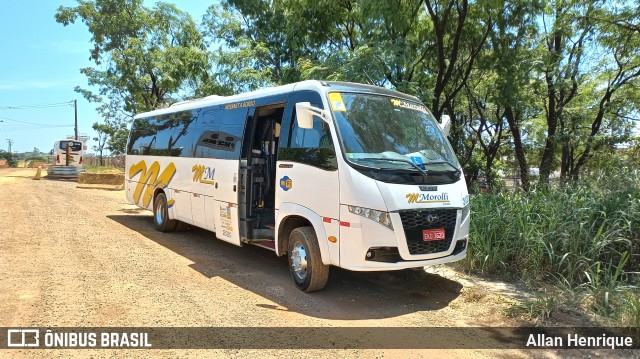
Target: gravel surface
{"points": [[85, 257]]}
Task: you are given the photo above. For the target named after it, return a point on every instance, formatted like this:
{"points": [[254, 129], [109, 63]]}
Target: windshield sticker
{"points": [[337, 104], [417, 160], [427, 198], [410, 105]]}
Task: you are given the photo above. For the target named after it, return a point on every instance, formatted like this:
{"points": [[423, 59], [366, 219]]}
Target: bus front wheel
{"points": [[305, 263], [161, 214]]}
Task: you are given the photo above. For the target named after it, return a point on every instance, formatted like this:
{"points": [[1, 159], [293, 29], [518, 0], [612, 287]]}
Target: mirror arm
{"points": [[319, 113]]}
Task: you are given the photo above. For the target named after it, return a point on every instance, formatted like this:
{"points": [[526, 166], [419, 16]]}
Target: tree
{"points": [[620, 70], [562, 50], [104, 133], [252, 45], [589, 53], [146, 57], [511, 59]]}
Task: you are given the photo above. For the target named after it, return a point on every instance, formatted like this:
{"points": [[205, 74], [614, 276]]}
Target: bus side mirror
{"points": [[305, 113], [445, 124]]}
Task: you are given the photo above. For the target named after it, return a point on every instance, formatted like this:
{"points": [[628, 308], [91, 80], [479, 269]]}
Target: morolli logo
{"points": [[427, 198]]}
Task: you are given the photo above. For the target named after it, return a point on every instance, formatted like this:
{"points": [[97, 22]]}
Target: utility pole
{"points": [[75, 106], [10, 142]]}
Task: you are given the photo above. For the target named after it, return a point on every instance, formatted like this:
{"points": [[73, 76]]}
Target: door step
{"points": [[268, 244], [263, 233]]}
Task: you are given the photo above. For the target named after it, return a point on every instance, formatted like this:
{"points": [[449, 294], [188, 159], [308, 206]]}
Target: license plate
{"points": [[433, 234]]}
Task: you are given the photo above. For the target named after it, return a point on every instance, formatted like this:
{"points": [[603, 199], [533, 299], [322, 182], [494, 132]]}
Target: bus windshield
{"points": [[388, 133]]}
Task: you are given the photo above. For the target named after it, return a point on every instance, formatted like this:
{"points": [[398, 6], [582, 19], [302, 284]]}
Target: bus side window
{"points": [[174, 134], [219, 133], [316, 137], [142, 138]]}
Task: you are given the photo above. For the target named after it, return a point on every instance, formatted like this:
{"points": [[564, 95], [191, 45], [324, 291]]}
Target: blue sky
{"points": [[40, 62]]}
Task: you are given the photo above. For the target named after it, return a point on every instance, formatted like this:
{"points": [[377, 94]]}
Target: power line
{"points": [[31, 129], [29, 123], [26, 107]]}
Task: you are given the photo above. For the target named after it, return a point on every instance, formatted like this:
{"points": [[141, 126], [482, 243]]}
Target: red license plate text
{"points": [[433, 234]]}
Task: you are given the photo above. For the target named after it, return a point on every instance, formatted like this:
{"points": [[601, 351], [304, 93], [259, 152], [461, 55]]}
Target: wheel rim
{"points": [[299, 261], [160, 213]]}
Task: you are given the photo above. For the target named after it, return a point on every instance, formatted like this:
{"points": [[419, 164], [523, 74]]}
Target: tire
{"points": [[305, 263], [161, 214]]}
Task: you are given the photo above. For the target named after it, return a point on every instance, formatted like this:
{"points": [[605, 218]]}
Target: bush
{"points": [[584, 236]]}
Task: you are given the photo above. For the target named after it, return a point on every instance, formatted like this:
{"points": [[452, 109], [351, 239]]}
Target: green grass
{"points": [[584, 238]]}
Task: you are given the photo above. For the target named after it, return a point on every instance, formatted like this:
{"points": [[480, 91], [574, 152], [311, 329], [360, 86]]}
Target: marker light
{"points": [[380, 217]]}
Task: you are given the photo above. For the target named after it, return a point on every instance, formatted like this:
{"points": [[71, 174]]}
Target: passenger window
{"points": [[180, 142], [208, 135], [219, 134], [143, 137]]}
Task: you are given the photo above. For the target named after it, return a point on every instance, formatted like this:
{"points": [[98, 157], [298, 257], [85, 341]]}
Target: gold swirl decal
{"points": [[150, 179]]}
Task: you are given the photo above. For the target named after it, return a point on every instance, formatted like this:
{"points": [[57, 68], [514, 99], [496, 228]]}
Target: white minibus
{"points": [[327, 173], [68, 153]]}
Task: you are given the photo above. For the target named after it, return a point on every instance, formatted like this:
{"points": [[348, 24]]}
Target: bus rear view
{"points": [[67, 158]]}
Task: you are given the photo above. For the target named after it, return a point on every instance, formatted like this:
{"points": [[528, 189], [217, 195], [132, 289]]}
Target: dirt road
{"points": [[78, 257]]}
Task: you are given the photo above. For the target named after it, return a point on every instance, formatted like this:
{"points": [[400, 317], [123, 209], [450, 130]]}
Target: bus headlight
{"points": [[380, 217]]}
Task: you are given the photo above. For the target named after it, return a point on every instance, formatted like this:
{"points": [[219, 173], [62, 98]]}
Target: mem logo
{"points": [[203, 174], [286, 183]]}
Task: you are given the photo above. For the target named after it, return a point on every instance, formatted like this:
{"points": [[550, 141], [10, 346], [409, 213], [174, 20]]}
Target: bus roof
{"points": [[314, 85]]}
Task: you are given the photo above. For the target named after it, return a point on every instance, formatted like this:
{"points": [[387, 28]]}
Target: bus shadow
{"points": [[348, 295]]}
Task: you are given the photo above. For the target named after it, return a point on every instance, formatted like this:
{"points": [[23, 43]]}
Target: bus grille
{"points": [[417, 220]]}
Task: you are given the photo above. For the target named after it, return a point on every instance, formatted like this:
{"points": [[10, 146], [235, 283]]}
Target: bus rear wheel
{"points": [[161, 214], [305, 263]]}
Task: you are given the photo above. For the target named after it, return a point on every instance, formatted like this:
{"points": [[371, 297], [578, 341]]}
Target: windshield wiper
{"points": [[444, 162], [385, 159]]}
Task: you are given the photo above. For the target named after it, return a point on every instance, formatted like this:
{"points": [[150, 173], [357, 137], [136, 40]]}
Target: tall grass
{"points": [[584, 236]]}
